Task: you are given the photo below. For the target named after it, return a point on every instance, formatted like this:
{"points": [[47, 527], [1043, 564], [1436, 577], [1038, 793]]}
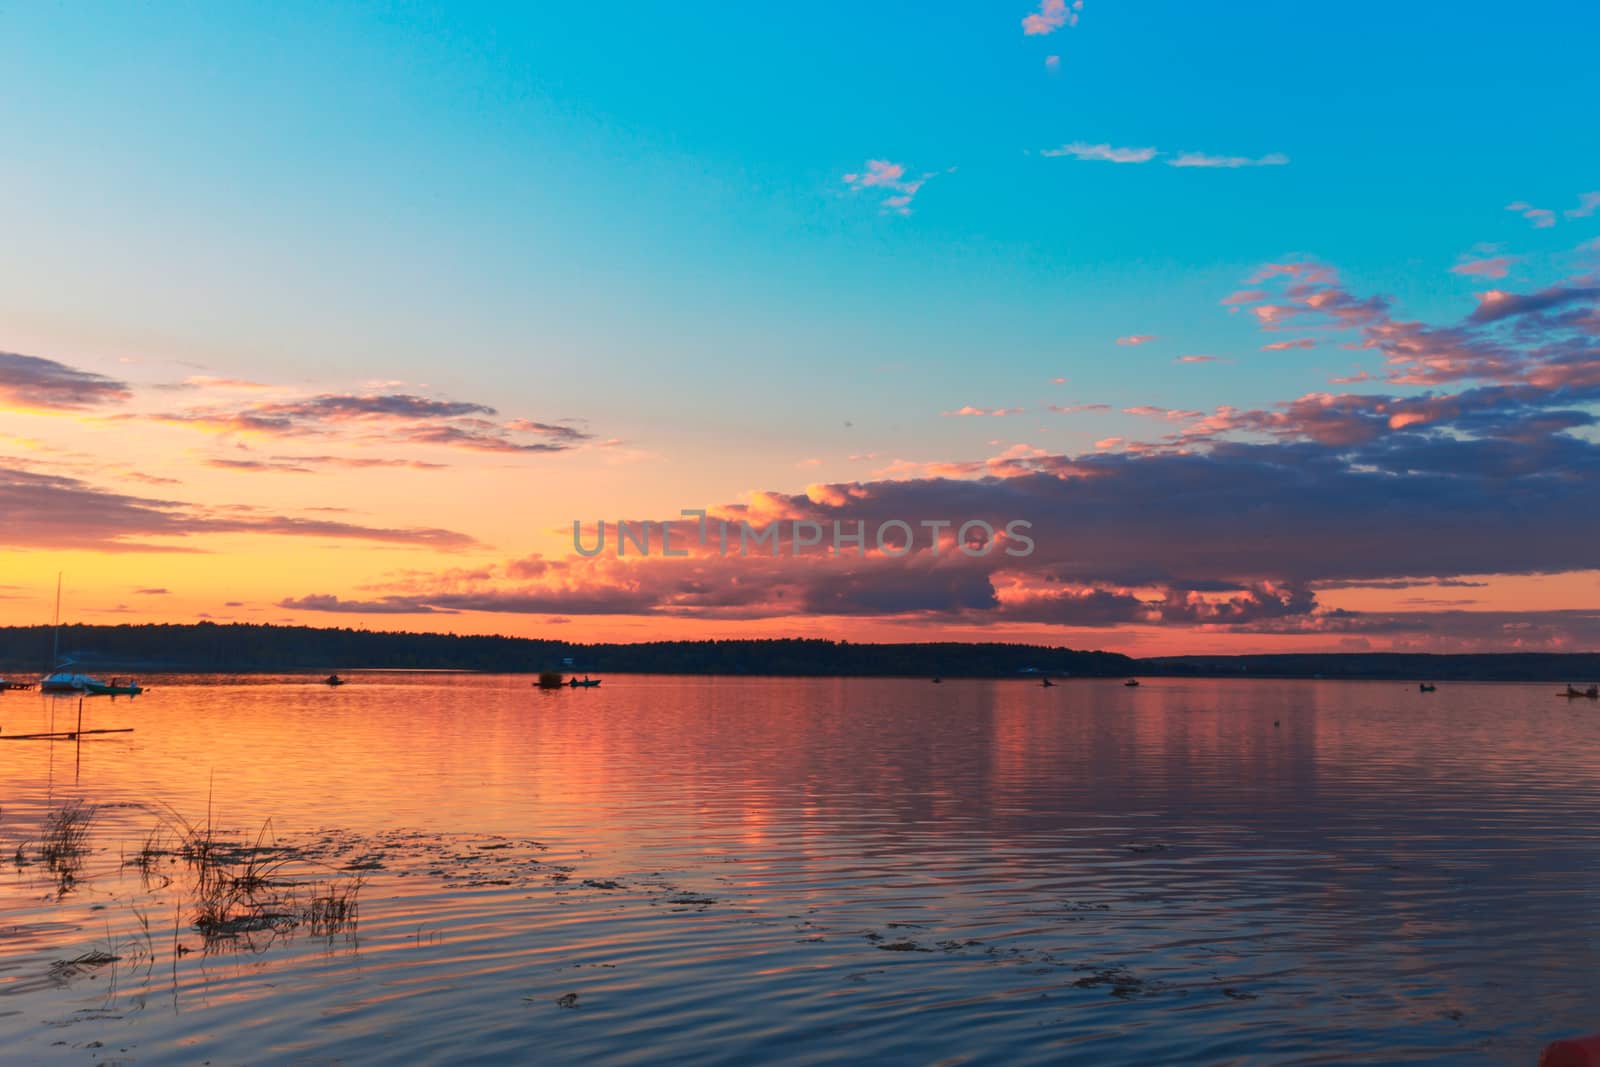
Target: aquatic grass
{"points": [[66, 836], [333, 907]]}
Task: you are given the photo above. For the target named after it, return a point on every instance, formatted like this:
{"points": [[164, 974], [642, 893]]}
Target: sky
{"points": [[1277, 328]]}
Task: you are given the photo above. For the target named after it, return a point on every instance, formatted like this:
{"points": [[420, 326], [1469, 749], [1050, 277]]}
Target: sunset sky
{"points": [[1282, 328]]}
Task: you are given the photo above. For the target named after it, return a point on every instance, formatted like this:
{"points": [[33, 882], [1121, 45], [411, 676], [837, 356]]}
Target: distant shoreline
{"points": [[245, 648]]}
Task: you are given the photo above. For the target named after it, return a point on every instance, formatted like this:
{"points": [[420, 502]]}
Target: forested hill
{"points": [[243, 647]]}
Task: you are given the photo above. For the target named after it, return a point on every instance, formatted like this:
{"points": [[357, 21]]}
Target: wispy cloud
{"points": [[1283, 346], [970, 410], [1196, 359], [1201, 159], [47, 511], [1108, 153], [1485, 267], [891, 178], [1138, 339], [1542, 218], [1052, 16], [29, 382], [391, 418], [1052, 63], [1102, 152], [1588, 204]]}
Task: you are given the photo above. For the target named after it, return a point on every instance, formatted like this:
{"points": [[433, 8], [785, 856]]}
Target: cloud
{"points": [[1149, 411], [32, 383], [309, 464], [1051, 16], [879, 174], [1588, 204], [1283, 346], [1074, 409], [206, 381], [1232, 521], [385, 606], [1052, 63], [1488, 267], [1102, 152], [1495, 305], [1201, 159], [1111, 154], [391, 418], [48, 511], [1196, 359], [1541, 218], [150, 592], [970, 410], [884, 176], [1137, 339]]}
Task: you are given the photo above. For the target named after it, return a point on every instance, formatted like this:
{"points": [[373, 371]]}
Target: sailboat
{"points": [[60, 680]]}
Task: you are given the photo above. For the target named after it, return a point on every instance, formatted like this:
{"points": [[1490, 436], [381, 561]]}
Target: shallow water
{"points": [[815, 871]]}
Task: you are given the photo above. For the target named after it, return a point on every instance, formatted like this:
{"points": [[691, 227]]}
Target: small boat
{"points": [[587, 683], [115, 688], [1131, 683], [1424, 687], [1591, 693], [1046, 683], [6, 686], [68, 682], [938, 681], [333, 679]]}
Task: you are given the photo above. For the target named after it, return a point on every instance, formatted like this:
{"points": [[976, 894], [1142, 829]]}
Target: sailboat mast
{"points": [[55, 646]]}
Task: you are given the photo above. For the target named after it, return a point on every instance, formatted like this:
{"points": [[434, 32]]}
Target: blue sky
{"points": [[638, 216]]}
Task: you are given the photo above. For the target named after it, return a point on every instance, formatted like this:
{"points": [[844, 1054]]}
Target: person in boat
{"points": [[333, 679], [1046, 683]]}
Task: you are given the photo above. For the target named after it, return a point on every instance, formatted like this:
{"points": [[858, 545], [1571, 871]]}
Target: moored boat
{"points": [[114, 688], [67, 682]]}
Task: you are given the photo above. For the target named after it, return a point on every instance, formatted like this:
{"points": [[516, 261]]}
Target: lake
{"points": [[444, 868]]}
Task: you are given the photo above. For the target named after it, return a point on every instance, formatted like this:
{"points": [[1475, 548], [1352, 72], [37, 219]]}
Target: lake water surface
{"points": [[808, 871]]}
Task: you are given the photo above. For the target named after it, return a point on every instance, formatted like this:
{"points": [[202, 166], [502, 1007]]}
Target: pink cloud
{"points": [[1052, 63], [882, 175], [1137, 339], [1170, 415], [1196, 359], [879, 173], [1541, 218], [1073, 409], [1490, 267], [1283, 346], [1588, 204], [991, 412], [1051, 16]]}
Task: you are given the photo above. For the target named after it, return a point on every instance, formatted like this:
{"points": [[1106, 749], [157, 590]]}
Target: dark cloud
{"points": [[48, 511], [395, 418], [31, 382], [1496, 305]]}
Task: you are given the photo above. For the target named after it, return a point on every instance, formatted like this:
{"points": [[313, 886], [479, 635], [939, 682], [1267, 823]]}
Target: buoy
{"points": [[1573, 1052]]}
